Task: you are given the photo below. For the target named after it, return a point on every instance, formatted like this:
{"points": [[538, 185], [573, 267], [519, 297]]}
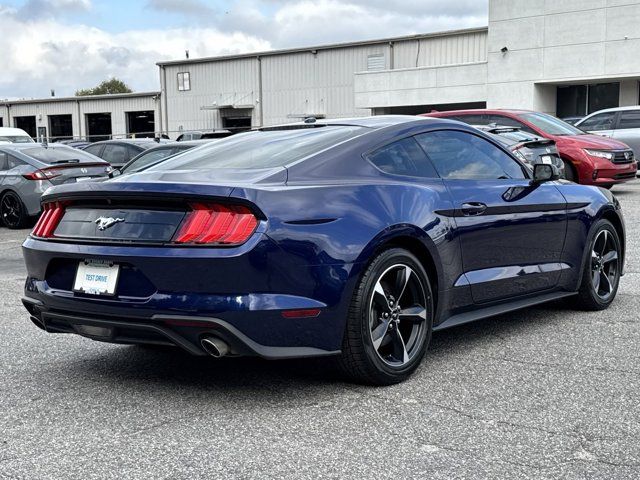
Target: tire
{"points": [[569, 172], [13, 213], [601, 271], [402, 333]]}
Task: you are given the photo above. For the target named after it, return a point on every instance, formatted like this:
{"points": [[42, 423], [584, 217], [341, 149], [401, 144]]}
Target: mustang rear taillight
{"points": [[51, 214], [217, 225]]}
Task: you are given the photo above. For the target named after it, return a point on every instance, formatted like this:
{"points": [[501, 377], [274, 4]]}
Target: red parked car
{"points": [[589, 159]]}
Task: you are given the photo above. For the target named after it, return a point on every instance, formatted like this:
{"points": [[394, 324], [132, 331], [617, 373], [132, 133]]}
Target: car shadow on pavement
{"points": [[173, 368]]}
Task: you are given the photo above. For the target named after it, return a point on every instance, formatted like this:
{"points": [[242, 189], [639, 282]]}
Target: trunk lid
{"points": [[73, 172], [152, 212]]}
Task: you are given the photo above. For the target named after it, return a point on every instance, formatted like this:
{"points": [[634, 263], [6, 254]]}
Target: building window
{"points": [[184, 81], [580, 100], [376, 62]]}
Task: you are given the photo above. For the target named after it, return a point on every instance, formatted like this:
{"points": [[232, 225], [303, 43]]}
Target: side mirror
{"points": [[543, 172]]}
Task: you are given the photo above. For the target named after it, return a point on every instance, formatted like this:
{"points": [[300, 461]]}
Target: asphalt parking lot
{"points": [[542, 393]]}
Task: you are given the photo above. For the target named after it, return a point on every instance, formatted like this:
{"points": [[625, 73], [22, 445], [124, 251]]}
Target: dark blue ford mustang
{"points": [[347, 239]]}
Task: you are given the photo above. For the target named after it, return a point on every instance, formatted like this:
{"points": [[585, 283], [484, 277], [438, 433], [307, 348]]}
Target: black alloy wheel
{"points": [[390, 320], [12, 211], [602, 269]]}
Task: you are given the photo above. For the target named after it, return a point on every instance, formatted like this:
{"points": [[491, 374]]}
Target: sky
{"points": [[66, 45]]}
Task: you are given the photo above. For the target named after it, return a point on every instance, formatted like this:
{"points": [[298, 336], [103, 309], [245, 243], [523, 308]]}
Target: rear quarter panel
{"points": [[338, 229]]}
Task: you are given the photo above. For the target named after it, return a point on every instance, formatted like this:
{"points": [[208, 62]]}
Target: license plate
{"points": [[96, 277], [548, 159]]}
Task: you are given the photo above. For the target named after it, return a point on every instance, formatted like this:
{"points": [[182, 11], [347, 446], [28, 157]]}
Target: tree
{"points": [[113, 85]]}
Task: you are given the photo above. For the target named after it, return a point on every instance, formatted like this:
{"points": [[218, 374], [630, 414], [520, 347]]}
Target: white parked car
{"points": [[622, 123], [14, 135]]}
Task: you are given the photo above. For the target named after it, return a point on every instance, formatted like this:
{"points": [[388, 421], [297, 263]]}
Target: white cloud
{"points": [[44, 54], [41, 8], [41, 51]]}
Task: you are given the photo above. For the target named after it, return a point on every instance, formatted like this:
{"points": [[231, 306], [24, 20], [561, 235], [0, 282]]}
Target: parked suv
{"points": [[621, 124], [588, 159]]}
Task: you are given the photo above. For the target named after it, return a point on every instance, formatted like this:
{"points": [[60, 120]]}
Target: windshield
{"points": [[262, 149], [550, 125], [59, 155], [16, 139]]}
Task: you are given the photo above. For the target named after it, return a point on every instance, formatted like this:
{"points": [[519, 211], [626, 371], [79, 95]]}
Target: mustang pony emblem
{"points": [[106, 222]]}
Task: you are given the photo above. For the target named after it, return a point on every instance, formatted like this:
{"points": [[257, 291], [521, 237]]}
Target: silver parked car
{"points": [[622, 123], [28, 169]]}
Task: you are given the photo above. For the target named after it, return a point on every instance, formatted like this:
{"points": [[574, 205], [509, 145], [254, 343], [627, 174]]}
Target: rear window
{"points": [[262, 149], [515, 137], [58, 154]]}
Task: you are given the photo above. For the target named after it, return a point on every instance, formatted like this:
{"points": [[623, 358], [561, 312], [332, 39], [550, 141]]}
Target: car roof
{"points": [[375, 122], [614, 109], [13, 131], [130, 141], [195, 143], [476, 111], [25, 146]]}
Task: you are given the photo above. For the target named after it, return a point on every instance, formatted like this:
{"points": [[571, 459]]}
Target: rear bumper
{"points": [[180, 331], [177, 295]]}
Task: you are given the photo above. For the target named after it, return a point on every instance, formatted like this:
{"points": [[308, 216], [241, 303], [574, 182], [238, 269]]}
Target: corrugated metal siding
{"points": [[116, 106], [445, 50], [301, 83], [233, 82], [306, 83]]}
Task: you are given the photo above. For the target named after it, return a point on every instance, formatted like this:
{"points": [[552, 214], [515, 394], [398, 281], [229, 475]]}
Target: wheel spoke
{"points": [[379, 333], [610, 256], [605, 234], [606, 282], [399, 348], [596, 280], [415, 314], [402, 279], [380, 297]]}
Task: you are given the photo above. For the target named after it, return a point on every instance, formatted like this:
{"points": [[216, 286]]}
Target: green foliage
{"points": [[113, 85]]}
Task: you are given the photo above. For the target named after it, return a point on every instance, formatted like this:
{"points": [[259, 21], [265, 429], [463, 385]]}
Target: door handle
{"points": [[471, 209]]}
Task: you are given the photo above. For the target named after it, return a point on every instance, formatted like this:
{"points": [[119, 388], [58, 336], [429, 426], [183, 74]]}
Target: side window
{"points": [[472, 119], [94, 149], [602, 121], [13, 162], [115, 154], [403, 157], [132, 152], [461, 155], [503, 121], [149, 158], [630, 119], [4, 162]]}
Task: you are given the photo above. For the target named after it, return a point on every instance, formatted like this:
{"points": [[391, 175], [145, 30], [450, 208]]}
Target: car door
{"points": [[601, 124], [628, 130], [511, 233]]}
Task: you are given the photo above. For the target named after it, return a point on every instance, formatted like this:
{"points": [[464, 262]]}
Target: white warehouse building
{"points": [[566, 58]]}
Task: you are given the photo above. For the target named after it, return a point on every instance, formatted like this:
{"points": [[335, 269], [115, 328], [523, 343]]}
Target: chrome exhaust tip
{"points": [[214, 346]]}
